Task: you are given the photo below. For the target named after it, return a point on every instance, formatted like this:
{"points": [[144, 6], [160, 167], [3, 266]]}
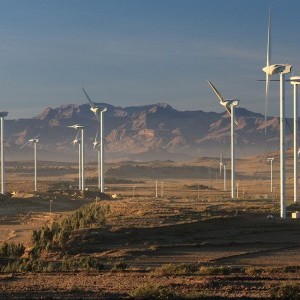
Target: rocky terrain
{"points": [[142, 133]]}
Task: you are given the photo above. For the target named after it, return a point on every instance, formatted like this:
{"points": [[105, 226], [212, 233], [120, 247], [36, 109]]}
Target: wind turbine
{"points": [[33, 141], [221, 163], [229, 105], [97, 145], [270, 159], [268, 64], [98, 111], [74, 142], [3, 114], [281, 69], [80, 142], [295, 81]]}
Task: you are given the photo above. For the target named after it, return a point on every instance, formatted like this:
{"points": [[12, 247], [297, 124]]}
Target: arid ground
{"points": [[191, 241]]}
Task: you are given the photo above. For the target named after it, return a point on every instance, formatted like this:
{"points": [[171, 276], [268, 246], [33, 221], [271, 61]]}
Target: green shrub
{"points": [[12, 250], [291, 292], [148, 291], [253, 271], [28, 265], [176, 269], [93, 215], [119, 266], [85, 263], [214, 270]]}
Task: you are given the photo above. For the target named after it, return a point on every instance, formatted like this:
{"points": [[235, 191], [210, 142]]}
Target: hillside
{"points": [[142, 133]]}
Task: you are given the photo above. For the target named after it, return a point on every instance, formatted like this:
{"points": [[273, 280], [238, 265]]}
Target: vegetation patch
{"points": [[83, 263], [176, 269], [56, 235], [291, 292], [215, 270], [148, 291], [11, 250]]}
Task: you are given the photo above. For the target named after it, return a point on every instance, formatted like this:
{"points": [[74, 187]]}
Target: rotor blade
{"points": [[88, 98], [228, 108], [28, 142], [76, 138], [96, 137], [268, 64], [216, 91], [37, 136]]}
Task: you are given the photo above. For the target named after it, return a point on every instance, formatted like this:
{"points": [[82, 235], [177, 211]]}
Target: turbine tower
{"points": [[3, 114], [281, 69], [270, 159], [98, 111], [221, 163], [33, 141], [229, 105], [81, 154], [78, 141], [97, 145], [295, 81]]}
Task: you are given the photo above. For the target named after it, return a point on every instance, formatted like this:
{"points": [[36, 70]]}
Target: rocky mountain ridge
{"points": [[147, 132]]}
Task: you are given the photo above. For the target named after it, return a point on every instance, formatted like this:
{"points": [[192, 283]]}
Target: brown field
{"points": [[192, 241]]}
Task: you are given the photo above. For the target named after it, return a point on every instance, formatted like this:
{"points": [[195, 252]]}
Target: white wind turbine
{"points": [[281, 69], [221, 163], [223, 166], [270, 159], [33, 141], [98, 111], [97, 145], [295, 81], [77, 141], [229, 105], [3, 114], [80, 142]]}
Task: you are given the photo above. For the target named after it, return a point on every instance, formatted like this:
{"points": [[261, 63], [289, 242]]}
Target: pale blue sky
{"points": [[135, 52]]}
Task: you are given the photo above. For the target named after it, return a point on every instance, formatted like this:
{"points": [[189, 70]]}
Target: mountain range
{"points": [[143, 133]]}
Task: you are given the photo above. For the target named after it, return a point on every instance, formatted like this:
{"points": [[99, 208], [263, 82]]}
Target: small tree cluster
{"points": [[58, 233], [11, 250]]}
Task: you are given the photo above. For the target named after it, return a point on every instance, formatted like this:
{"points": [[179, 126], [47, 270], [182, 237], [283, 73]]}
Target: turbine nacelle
{"points": [[76, 126], [230, 102], [278, 69], [295, 80], [76, 141], [97, 109], [33, 140], [96, 145]]}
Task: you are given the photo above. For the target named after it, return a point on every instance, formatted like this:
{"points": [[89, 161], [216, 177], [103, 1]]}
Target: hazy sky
{"points": [[137, 52]]}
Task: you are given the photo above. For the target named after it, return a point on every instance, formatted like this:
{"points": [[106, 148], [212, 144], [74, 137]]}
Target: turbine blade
{"points": [[216, 91], [268, 64], [88, 98], [37, 136], [96, 136], [28, 142]]}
